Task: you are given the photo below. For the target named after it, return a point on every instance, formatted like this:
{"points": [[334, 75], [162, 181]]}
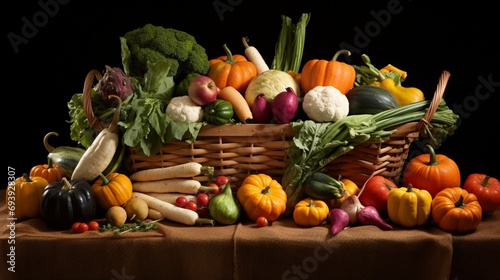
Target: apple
{"points": [[202, 90]]}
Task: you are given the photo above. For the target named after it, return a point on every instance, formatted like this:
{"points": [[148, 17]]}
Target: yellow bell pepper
{"points": [[408, 206]]}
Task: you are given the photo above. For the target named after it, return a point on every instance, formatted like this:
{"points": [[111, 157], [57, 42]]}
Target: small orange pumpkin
{"points": [[310, 213], [261, 196], [456, 210], [232, 70], [114, 189], [51, 172], [320, 72], [432, 172]]}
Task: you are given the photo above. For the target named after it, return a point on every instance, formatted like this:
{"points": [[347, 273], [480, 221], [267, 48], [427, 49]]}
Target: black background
{"points": [[422, 37]]}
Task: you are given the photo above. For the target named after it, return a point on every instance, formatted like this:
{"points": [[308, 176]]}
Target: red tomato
{"points": [[262, 222], [83, 227], [181, 201], [486, 189], [191, 205], [217, 191], [93, 225], [375, 193], [74, 227], [203, 212], [202, 199], [221, 180]]}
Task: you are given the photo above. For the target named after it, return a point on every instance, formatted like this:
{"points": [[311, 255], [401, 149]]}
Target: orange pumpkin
{"points": [[232, 70], [115, 189], [456, 210], [51, 172], [432, 172], [310, 213], [261, 196], [320, 72]]}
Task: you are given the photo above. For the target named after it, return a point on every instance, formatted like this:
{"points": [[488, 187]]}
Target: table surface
{"points": [[244, 251]]}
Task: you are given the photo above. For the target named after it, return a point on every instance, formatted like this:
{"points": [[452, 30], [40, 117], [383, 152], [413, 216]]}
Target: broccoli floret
{"points": [[153, 43]]}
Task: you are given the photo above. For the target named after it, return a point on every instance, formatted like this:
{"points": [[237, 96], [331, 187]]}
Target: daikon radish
{"points": [[171, 212], [178, 185], [171, 197], [184, 170]]}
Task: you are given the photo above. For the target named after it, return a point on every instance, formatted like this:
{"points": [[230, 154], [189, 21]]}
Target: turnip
{"points": [[351, 206], [339, 220], [368, 215]]}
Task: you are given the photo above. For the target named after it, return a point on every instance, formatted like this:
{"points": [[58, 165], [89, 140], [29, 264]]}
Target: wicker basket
{"points": [[237, 150]]}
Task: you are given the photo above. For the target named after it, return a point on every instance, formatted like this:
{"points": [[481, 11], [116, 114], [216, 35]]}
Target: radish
{"points": [[368, 215], [339, 220]]}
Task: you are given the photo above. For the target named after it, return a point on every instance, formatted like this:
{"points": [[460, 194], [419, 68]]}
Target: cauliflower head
{"points": [[152, 43], [325, 104], [183, 109]]}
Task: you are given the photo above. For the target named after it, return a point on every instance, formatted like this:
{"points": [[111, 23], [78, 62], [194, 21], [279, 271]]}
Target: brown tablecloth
{"points": [[244, 251]]}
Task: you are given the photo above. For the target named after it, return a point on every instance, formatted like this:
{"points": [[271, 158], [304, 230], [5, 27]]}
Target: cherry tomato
{"points": [[262, 222], [83, 227], [203, 212], [93, 225], [181, 201], [221, 180], [191, 205], [74, 227], [217, 191], [202, 199]]}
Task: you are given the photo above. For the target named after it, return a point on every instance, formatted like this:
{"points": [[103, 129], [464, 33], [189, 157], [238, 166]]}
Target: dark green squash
{"points": [[66, 202], [322, 186], [369, 99]]}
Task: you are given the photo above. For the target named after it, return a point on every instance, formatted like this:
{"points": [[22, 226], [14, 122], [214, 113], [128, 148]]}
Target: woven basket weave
{"points": [[237, 150]]}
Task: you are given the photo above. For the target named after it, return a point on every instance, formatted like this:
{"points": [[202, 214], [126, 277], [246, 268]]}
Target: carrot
{"points": [[171, 197], [240, 105], [179, 185], [184, 170], [254, 56], [171, 212]]}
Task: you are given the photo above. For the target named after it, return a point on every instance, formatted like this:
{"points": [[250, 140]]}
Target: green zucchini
{"points": [[368, 99], [322, 186]]}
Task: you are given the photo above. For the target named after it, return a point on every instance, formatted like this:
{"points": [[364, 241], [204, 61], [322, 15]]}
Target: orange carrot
{"points": [[240, 105]]}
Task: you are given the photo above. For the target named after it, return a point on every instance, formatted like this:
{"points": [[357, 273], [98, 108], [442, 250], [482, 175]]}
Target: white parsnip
{"points": [[178, 185], [184, 170], [171, 212], [171, 197], [254, 56], [154, 214]]}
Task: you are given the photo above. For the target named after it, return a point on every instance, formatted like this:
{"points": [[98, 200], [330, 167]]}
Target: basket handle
{"points": [[87, 99], [436, 99]]}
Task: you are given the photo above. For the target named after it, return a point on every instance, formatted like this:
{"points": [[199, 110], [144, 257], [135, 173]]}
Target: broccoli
{"points": [[154, 43]]}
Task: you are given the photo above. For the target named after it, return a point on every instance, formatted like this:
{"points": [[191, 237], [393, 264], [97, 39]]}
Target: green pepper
{"points": [[219, 112], [182, 88]]}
